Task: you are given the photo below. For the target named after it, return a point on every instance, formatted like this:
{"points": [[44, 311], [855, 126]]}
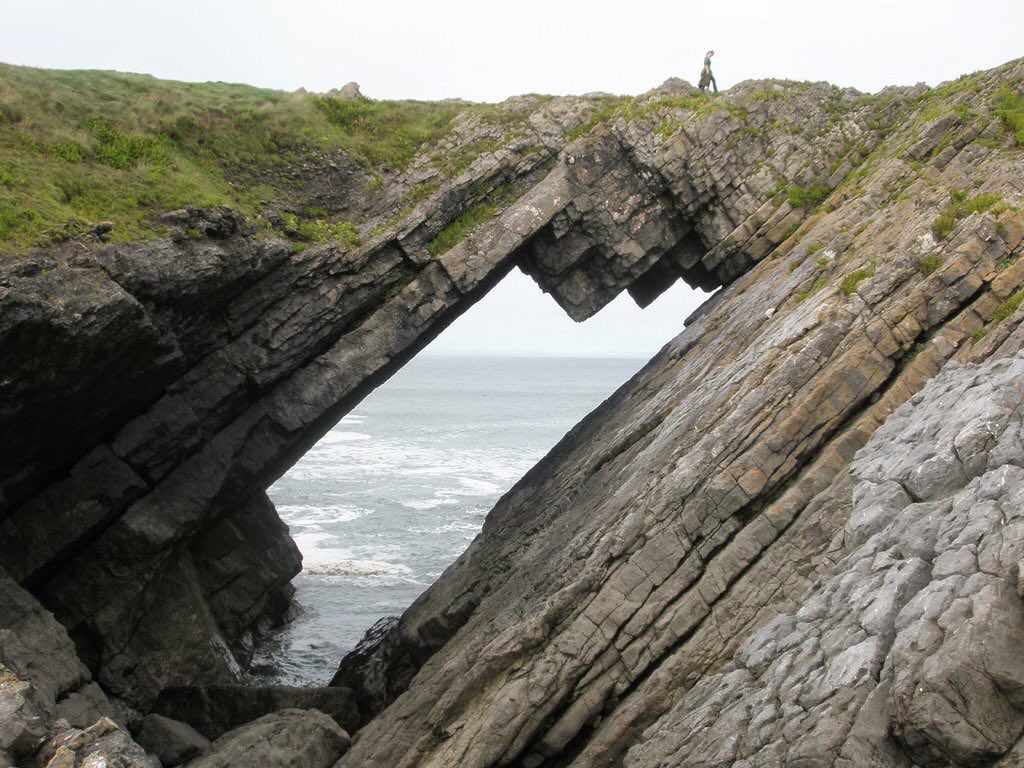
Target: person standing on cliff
{"points": [[705, 74]]}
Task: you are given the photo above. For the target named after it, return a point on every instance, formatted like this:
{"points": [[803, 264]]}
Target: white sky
{"points": [[486, 52]]}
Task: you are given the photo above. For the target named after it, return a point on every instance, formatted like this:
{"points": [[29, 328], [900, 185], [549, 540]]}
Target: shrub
{"points": [[942, 226], [929, 264], [811, 197]]}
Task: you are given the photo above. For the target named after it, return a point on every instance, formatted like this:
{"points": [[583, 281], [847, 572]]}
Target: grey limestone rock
{"points": [[910, 646]]}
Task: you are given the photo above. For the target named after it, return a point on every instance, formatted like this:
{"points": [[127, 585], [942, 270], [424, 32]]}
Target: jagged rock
{"points": [[22, 723], [35, 648], [102, 744], [216, 709], [173, 741], [291, 738]]}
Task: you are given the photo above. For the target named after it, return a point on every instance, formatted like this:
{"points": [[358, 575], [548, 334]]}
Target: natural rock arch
{"points": [[219, 363]]}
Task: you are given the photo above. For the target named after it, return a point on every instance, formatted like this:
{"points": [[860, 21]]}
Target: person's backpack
{"points": [[705, 78]]}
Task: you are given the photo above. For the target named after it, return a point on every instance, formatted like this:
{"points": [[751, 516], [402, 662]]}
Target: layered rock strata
{"points": [[698, 502]]}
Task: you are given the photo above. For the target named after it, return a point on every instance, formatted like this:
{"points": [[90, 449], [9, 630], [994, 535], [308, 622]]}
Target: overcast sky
{"points": [[488, 51]]}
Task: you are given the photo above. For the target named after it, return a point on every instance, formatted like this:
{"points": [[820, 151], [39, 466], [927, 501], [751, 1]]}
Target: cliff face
{"points": [[156, 390]]}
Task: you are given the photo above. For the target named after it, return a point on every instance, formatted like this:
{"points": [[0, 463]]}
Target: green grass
{"points": [[87, 146], [470, 219], [317, 230], [1010, 107], [849, 283], [816, 286], [1008, 307], [959, 207], [386, 133]]}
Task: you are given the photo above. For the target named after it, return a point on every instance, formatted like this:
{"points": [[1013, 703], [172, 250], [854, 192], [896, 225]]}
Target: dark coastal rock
{"points": [[216, 709], [291, 738], [173, 741], [88, 704]]}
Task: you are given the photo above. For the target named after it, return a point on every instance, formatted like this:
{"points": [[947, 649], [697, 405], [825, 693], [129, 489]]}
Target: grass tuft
{"points": [[849, 283]]}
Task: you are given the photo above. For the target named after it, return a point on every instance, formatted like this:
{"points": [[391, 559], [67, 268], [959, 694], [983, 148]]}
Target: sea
{"points": [[397, 490]]}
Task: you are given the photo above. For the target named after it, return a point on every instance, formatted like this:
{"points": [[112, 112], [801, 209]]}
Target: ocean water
{"points": [[397, 490]]}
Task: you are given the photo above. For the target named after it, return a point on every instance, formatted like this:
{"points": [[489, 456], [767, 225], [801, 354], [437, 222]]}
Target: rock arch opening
{"points": [[396, 491]]}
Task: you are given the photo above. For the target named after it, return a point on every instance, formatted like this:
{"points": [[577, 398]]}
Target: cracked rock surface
{"points": [[907, 650]]}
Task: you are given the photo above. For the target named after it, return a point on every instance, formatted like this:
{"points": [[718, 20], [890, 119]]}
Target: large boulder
{"points": [[291, 738]]}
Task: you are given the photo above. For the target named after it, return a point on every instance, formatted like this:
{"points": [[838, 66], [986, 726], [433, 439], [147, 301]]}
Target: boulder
{"points": [[291, 738], [173, 741]]}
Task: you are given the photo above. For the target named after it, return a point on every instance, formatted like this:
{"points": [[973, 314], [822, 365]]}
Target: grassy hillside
{"points": [[87, 146]]}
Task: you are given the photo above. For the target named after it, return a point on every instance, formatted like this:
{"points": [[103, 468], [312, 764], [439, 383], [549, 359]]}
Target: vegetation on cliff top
{"points": [[85, 146], [82, 147]]}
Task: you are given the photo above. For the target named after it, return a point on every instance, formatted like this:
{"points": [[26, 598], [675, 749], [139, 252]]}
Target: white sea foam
{"points": [[301, 514], [340, 436], [357, 568], [424, 504]]}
